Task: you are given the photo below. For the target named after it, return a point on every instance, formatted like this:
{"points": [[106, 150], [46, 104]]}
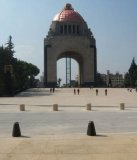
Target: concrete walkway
{"points": [[66, 97], [120, 146], [102, 147]]}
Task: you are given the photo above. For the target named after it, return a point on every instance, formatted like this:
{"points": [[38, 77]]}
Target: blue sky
{"points": [[113, 23]]}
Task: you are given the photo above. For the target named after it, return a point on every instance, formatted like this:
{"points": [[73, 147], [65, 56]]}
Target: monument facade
{"points": [[69, 36]]}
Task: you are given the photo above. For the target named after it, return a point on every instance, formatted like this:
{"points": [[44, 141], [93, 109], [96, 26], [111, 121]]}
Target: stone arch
{"points": [[70, 36], [71, 54], [77, 57]]}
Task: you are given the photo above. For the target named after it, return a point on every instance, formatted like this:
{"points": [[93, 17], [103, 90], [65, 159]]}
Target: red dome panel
{"points": [[68, 15]]}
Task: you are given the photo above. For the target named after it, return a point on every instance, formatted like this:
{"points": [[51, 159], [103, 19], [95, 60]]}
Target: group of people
{"points": [[78, 91], [52, 90], [106, 92], [97, 91]]}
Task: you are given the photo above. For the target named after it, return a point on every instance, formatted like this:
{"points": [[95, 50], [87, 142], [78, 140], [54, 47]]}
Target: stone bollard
{"points": [[16, 130], [22, 107], [89, 107], [55, 107], [91, 129], [122, 106]]}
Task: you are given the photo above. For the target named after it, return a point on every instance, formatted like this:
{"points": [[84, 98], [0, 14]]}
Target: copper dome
{"points": [[68, 15]]}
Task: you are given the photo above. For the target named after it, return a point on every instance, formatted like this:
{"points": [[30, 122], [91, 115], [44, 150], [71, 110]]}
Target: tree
{"points": [[22, 75], [133, 73], [127, 80], [8, 84], [5, 59], [10, 46]]}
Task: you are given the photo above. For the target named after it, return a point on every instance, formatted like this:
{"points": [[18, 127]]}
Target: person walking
{"points": [[74, 91], [78, 91], [106, 92], [96, 92]]}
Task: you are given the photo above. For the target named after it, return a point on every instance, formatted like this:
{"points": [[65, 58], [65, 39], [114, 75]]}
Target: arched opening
{"points": [[69, 70], [62, 73]]}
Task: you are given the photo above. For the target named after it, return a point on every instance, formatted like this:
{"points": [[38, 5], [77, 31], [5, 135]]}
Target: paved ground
{"points": [[68, 122], [65, 148], [62, 134], [66, 97]]}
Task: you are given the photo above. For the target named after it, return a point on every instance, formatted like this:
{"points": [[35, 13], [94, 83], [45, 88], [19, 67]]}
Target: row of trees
{"points": [[15, 75]]}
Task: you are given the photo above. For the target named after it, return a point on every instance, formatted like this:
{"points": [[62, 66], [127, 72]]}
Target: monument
{"points": [[70, 37]]}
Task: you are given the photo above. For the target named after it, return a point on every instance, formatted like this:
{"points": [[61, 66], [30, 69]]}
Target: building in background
{"points": [[113, 80]]}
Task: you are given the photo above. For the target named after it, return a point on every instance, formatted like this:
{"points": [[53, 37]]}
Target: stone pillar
{"points": [[55, 107], [22, 107], [88, 107], [122, 106]]}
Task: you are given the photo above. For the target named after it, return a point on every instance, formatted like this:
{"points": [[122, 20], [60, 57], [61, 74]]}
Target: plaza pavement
{"points": [[66, 97], [76, 145]]}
